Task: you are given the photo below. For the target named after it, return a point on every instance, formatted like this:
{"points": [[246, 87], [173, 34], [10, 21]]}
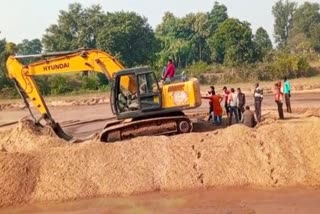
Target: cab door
{"points": [[148, 92]]}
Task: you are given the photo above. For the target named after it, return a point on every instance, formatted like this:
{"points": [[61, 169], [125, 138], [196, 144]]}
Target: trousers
{"points": [[288, 103], [257, 106], [233, 110], [280, 109]]}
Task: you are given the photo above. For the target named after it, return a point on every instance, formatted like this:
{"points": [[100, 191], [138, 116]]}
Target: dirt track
{"points": [[72, 115]]}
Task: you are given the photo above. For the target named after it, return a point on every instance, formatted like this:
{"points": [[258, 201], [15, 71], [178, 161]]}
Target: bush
{"points": [[197, 69], [44, 85], [285, 64], [9, 92], [103, 81], [59, 85], [90, 82]]}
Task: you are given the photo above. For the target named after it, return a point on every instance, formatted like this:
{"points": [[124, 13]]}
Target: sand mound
{"points": [[281, 154], [28, 137]]}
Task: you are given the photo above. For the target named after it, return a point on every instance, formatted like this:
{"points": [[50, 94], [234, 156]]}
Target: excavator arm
{"points": [[59, 63]]}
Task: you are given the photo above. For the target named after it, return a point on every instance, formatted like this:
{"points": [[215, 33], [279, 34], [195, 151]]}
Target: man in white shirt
{"points": [[233, 104], [258, 97]]}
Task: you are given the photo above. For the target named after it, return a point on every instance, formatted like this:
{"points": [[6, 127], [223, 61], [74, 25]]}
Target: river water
{"points": [[204, 201]]}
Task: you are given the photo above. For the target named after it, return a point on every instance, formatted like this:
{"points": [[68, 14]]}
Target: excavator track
{"points": [[123, 130]]}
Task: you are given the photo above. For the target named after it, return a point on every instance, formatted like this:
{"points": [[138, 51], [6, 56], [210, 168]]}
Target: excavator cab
{"points": [[134, 103]]}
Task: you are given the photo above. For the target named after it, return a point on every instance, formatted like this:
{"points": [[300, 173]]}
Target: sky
{"points": [[28, 19]]}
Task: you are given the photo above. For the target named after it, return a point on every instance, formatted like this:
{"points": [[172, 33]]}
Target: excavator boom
{"points": [[135, 93]]}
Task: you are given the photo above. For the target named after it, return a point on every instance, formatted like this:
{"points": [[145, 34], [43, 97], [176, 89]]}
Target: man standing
{"points": [[169, 71], [226, 104], [217, 110], [258, 97], [248, 118], [233, 103], [278, 99], [287, 94], [242, 102], [211, 92]]}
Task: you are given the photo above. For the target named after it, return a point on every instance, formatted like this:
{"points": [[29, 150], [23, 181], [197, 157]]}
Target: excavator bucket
{"points": [[61, 133]]}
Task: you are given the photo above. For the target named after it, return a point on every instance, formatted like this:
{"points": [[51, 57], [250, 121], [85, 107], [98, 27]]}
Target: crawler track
{"points": [[122, 130]]}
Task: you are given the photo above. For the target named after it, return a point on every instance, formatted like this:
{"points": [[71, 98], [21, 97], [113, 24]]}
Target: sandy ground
{"points": [[242, 201], [36, 166], [73, 115]]}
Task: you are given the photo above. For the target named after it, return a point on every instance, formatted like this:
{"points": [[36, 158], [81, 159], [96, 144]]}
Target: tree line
{"points": [[204, 42]]}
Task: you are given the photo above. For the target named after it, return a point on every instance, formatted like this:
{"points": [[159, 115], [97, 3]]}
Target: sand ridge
{"points": [[37, 166]]}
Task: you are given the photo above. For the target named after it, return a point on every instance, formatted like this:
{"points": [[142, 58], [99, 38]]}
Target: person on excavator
{"points": [[170, 71]]}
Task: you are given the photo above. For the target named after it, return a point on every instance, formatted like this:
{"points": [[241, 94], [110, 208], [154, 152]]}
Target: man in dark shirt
{"points": [[242, 103], [248, 118]]}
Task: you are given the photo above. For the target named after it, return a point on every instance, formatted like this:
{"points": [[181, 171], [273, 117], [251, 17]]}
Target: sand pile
{"points": [[28, 137], [280, 154]]}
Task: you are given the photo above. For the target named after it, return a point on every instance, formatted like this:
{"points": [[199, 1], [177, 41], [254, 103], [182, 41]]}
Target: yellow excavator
{"points": [[142, 105]]}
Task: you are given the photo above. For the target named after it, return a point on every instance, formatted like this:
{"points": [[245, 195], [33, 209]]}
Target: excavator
{"points": [[142, 105]]}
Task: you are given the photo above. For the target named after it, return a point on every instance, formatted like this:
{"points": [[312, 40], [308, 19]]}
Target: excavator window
{"points": [[145, 97], [126, 100], [149, 91]]}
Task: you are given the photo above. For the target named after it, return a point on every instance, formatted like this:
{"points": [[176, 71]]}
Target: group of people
{"points": [[235, 101], [235, 104]]}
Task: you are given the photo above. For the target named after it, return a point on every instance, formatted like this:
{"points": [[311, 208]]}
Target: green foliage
{"points": [[76, 28], [129, 37], [29, 47], [283, 12], [59, 85], [90, 82], [197, 69], [305, 35], [217, 15], [289, 65], [43, 83], [262, 42], [232, 43]]}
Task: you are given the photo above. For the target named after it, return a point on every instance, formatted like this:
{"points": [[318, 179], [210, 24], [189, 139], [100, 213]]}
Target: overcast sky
{"points": [[28, 19]]}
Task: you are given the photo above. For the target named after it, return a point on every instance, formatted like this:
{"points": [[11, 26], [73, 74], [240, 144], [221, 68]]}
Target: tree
{"points": [[5, 49], [232, 43], [29, 47], [176, 39], [283, 13], [11, 48], [306, 17], [129, 37], [262, 42], [299, 43], [197, 31], [76, 28], [217, 15], [306, 21], [315, 37]]}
